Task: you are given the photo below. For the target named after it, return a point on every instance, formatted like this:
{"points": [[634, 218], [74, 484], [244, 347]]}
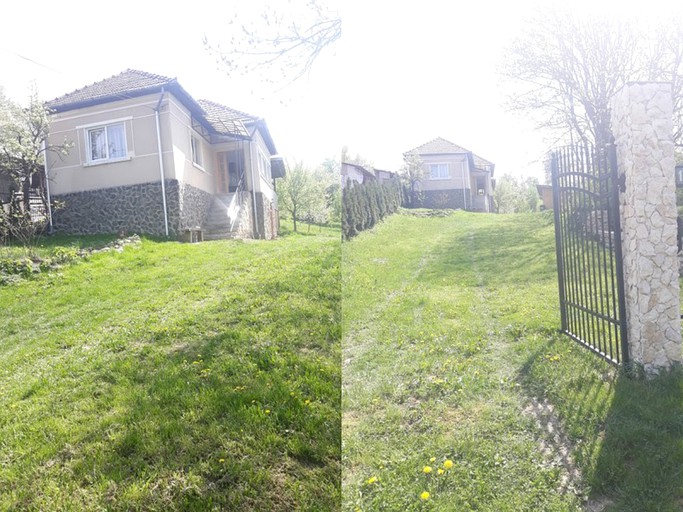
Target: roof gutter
{"points": [[161, 161]]}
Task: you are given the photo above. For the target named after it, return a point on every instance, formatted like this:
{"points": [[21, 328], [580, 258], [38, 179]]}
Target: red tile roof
{"points": [[132, 82], [441, 146], [125, 85]]}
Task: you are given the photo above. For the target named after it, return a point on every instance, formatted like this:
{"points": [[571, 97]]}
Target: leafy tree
{"points": [[568, 68], [412, 173], [23, 145], [296, 191], [515, 196], [330, 174]]}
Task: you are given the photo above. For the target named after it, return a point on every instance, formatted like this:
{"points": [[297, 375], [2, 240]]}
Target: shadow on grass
{"points": [[628, 431], [640, 461]]}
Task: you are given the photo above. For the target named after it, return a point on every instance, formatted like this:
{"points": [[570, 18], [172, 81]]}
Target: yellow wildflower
{"points": [[439, 471], [372, 480], [427, 469], [448, 464], [424, 496], [432, 459]]}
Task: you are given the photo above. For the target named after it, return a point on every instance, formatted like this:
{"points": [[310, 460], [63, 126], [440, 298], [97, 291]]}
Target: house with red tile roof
{"points": [[454, 177], [149, 158]]}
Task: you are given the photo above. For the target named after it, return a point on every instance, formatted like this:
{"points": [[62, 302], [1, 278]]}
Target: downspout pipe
{"points": [[161, 162], [50, 229], [257, 233]]}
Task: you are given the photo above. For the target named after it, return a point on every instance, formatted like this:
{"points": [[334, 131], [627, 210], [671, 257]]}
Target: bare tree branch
{"points": [[278, 46], [567, 69]]}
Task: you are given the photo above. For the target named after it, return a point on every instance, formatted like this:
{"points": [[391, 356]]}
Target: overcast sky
{"points": [[402, 74]]}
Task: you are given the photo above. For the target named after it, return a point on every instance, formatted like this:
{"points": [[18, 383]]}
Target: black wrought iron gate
{"points": [[588, 245]]}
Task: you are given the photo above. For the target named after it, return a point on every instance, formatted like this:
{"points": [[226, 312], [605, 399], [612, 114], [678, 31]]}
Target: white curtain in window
{"points": [[98, 144], [116, 136]]}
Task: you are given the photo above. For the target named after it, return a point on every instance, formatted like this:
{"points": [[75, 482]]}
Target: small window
{"points": [[264, 166], [196, 151], [107, 143], [438, 171]]}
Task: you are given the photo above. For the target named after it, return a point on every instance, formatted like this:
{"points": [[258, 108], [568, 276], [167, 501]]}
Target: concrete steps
{"points": [[218, 221]]}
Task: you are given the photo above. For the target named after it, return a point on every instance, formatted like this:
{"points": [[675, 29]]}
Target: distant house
{"points": [[149, 158], [355, 172], [454, 177], [381, 175]]}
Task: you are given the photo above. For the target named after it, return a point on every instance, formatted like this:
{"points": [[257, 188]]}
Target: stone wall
{"points": [[132, 209], [453, 198], [244, 226], [642, 127], [268, 220], [194, 206]]}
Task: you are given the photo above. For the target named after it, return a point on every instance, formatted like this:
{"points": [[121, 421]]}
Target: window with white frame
{"points": [[438, 171], [196, 151], [264, 166], [107, 142]]}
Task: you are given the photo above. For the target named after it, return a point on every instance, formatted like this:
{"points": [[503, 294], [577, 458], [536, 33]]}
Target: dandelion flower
{"points": [[448, 464], [432, 459], [267, 411], [221, 460], [427, 469], [439, 471], [424, 496], [372, 480]]}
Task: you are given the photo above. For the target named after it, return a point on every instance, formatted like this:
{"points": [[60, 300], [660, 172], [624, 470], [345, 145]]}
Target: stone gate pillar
{"points": [[643, 131]]}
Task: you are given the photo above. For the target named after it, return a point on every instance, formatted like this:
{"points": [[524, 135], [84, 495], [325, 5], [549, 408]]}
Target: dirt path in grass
{"points": [[553, 442], [428, 374]]}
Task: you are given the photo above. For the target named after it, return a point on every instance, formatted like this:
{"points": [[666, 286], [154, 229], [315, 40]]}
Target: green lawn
{"points": [[175, 377], [456, 383]]}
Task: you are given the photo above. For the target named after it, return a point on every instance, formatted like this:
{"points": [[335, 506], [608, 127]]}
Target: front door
{"points": [[223, 175], [228, 175]]}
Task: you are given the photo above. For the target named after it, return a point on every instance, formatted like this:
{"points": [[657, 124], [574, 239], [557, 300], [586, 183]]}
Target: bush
{"points": [[364, 205]]}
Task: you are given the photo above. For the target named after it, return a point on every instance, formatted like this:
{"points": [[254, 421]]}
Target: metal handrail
{"points": [[235, 202]]}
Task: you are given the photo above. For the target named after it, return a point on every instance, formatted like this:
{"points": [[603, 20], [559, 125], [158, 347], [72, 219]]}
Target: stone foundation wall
{"points": [[643, 131], [194, 206], [267, 217], [132, 209], [452, 198], [244, 226]]}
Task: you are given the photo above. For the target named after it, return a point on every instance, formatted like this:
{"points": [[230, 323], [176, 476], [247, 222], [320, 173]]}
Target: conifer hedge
{"points": [[365, 204]]}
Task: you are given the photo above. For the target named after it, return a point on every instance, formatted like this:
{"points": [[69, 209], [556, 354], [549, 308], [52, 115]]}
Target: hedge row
{"points": [[364, 205]]}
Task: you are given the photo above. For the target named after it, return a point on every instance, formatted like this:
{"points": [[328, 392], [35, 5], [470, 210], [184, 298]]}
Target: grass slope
{"points": [[175, 377], [449, 340]]}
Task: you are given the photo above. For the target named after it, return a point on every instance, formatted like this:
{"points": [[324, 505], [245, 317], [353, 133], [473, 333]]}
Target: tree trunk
{"points": [[26, 186]]}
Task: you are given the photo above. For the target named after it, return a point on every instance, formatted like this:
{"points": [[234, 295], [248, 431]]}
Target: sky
{"points": [[401, 75]]}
